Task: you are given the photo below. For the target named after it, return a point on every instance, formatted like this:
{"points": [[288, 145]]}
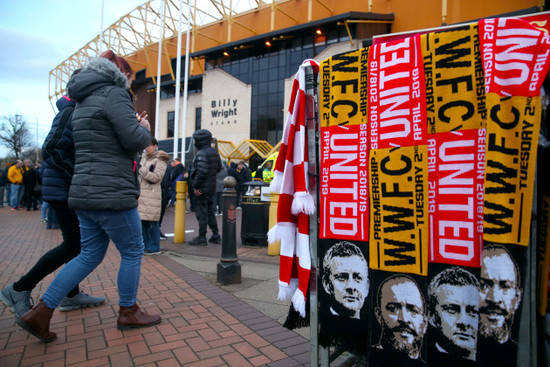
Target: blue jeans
{"points": [[151, 235], [8, 193], [16, 194], [97, 227], [45, 206]]}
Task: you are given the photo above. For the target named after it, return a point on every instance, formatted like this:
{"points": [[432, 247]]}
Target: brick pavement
{"points": [[202, 324]]}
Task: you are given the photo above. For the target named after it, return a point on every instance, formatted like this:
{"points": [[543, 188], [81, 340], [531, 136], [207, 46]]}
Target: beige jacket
{"points": [[151, 173]]}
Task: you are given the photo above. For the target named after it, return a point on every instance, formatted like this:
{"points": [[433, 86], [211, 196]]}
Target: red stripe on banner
{"points": [[515, 56], [397, 94], [344, 203], [456, 166]]}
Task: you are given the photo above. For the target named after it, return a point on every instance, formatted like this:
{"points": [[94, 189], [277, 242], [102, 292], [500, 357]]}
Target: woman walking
{"points": [[57, 168], [104, 190]]}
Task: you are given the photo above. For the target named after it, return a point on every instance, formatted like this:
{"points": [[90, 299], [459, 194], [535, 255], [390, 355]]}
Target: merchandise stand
{"points": [[530, 331]]}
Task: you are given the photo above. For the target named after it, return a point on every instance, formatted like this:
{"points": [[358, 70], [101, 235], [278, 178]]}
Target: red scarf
{"points": [[295, 202]]}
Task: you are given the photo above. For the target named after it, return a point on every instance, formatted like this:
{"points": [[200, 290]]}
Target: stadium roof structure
{"points": [[145, 26]]}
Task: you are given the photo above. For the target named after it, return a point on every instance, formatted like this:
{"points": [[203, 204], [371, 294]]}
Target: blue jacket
{"points": [[58, 155]]}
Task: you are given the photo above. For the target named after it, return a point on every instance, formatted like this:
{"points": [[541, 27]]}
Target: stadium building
{"points": [[243, 54]]}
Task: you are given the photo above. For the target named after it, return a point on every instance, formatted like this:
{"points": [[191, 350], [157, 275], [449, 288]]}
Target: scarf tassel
{"points": [[302, 203], [286, 290]]}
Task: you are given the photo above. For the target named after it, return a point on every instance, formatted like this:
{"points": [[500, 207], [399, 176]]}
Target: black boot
{"points": [[199, 241], [215, 239]]}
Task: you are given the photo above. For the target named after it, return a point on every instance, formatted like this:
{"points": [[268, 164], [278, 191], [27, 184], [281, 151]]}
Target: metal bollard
{"points": [[229, 269], [179, 220]]}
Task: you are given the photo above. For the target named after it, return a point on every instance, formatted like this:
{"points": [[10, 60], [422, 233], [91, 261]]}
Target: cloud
{"points": [[25, 58]]}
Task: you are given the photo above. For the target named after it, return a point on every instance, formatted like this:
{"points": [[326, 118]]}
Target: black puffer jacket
{"points": [[58, 154], [107, 137], [206, 165]]}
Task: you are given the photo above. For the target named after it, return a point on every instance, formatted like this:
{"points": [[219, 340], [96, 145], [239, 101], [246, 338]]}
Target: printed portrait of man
{"points": [[401, 312], [500, 294], [345, 279], [453, 312]]}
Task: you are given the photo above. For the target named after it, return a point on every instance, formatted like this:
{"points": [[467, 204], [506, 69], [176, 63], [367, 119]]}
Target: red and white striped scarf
{"points": [[295, 202]]}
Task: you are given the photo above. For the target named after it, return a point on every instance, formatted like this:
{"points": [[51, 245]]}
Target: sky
{"points": [[35, 37]]}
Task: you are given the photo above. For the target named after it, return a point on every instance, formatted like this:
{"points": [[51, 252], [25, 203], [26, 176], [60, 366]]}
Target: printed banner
{"points": [[515, 56], [453, 300], [455, 93], [399, 216], [344, 292], [512, 136], [501, 294], [344, 204], [400, 323], [456, 165], [397, 95], [344, 200], [343, 89]]}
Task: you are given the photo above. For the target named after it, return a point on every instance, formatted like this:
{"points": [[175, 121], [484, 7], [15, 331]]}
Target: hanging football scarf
{"points": [[456, 167], [295, 202], [399, 323], [399, 225], [344, 292], [454, 80], [515, 56], [397, 112], [512, 137], [398, 158], [501, 296], [453, 314], [343, 183]]}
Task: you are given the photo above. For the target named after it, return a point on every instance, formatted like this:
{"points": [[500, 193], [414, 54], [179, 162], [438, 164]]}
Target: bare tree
{"points": [[14, 134]]}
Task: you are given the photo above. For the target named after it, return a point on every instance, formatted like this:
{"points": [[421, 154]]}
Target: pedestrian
{"points": [[58, 153], [23, 192], [3, 182], [8, 183], [176, 175], [104, 190], [206, 165], [218, 202], [243, 176], [30, 179], [15, 176], [151, 172], [166, 188]]}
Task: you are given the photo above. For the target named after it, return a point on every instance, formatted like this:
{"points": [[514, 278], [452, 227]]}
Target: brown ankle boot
{"points": [[37, 322], [133, 317]]}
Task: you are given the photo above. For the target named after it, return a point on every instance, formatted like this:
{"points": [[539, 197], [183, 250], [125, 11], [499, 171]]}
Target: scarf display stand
{"points": [[319, 355], [530, 334]]}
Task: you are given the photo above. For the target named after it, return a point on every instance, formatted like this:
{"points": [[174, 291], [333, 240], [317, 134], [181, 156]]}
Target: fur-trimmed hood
{"points": [[160, 154], [98, 72]]}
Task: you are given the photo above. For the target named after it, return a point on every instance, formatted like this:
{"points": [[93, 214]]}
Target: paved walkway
{"points": [[203, 325]]}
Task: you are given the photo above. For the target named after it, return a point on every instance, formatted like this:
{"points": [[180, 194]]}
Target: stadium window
{"points": [[170, 129]]}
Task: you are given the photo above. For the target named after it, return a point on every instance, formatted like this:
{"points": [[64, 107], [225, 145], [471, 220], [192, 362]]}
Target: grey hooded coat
{"points": [[107, 137]]}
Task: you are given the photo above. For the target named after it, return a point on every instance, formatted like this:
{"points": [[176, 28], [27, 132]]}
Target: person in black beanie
{"points": [[206, 165]]}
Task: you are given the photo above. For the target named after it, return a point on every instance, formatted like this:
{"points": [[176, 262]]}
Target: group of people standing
{"points": [[20, 183]]}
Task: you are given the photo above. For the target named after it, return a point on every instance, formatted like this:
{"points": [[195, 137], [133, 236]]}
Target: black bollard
{"points": [[229, 269]]}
